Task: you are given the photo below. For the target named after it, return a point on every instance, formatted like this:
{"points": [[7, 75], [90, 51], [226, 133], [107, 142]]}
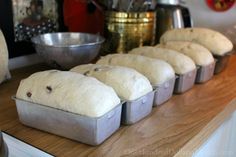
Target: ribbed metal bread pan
{"points": [[185, 82], [89, 130], [205, 73], [134, 111], [221, 62], [164, 92]]}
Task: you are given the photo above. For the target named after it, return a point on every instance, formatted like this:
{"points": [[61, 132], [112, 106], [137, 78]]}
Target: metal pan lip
{"points": [[229, 53], [200, 66], [130, 101], [179, 75], [158, 85], [100, 39]]}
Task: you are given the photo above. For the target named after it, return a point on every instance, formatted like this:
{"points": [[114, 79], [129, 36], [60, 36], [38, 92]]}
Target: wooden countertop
{"points": [[163, 133]]}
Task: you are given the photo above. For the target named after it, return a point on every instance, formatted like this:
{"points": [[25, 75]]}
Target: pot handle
{"points": [[188, 22]]}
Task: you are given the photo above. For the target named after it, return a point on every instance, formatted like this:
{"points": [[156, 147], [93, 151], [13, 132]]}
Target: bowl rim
{"points": [[102, 39]]}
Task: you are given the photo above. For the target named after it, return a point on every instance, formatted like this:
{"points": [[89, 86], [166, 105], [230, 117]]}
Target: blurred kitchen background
{"points": [[203, 16], [21, 54]]}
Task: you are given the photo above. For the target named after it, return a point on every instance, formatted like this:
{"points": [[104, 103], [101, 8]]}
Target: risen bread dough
{"points": [[199, 54], [216, 42], [128, 83], [157, 71], [180, 63], [68, 91], [4, 72]]}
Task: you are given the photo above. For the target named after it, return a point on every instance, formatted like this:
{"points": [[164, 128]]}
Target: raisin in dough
{"points": [[128, 83], [216, 42], [157, 71], [199, 54], [68, 91], [4, 71], [181, 63]]}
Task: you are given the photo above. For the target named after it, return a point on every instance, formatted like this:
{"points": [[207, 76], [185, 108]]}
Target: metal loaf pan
{"points": [[185, 82], [133, 111], [221, 62], [205, 73], [164, 92], [92, 131]]}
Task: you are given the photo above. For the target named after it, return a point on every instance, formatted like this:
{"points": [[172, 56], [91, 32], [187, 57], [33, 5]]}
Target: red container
{"points": [[79, 18]]}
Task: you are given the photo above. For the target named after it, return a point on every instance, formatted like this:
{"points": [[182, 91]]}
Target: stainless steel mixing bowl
{"points": [[66, 50]]}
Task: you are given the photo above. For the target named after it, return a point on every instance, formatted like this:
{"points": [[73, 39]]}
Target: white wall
{"points": [[205, 17]]}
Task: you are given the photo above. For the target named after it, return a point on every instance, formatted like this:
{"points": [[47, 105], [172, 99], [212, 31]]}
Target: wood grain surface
{"points": [[168, 128], [196, 142]]}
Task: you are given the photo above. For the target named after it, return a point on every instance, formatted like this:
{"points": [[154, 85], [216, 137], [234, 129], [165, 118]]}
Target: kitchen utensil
{"points": [[185, 82], [66, 50], [164, 91], [133, 111], [221, 62], [125, 31], [205, 73], [92, 131], [170, 14]]}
